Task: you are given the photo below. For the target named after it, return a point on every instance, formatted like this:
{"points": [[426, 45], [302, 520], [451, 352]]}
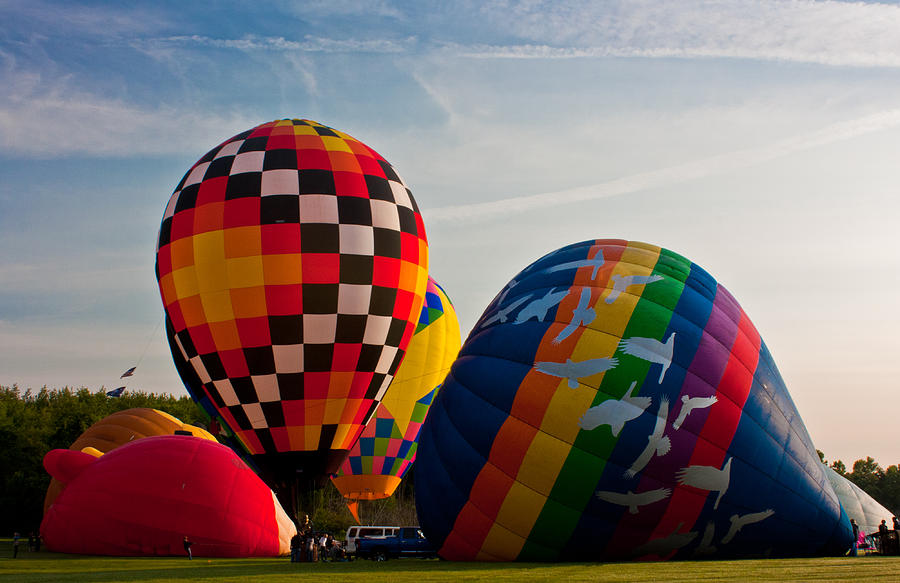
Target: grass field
{"points": [[52, 567]]}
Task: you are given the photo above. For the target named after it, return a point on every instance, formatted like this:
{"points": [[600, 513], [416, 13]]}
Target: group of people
{"points": [[311, 546], [886, 541], [34, 543]]}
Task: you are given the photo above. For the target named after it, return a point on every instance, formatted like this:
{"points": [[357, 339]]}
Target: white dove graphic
{"points": [[573, 371], [582, 315], [651, 350], [502, 314], [539, 307], [615, 412], [661, 547], [499, 300], [596, 261], [622, 283], [706, 547], [688, 404], [707, 478], [657, 443], [739, 522], [632, 500]]}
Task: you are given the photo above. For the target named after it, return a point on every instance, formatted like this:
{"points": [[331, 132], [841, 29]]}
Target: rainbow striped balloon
{"points": [[615, 402]]}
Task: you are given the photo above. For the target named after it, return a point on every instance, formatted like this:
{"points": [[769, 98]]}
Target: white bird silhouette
{"points": [[622, 282], [502, 314], [573, 371], [632, 500], [706, 547], [739, 522], [615, 412], [596, 261], [651, 350], [688, 404], [707, 478], [657, 443], [499, 300], [539, 307], [582, 315], [661, 547]]}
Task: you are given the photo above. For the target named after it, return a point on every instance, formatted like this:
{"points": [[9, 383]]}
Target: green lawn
{"points": [[43, 566]]}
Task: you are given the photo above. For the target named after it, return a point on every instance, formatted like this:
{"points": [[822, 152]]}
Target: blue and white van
{"points": [[357, 532]]}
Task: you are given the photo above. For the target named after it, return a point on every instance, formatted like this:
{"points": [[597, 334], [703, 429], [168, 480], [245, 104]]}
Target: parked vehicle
{"points": [[408, 542], [357, 532]]}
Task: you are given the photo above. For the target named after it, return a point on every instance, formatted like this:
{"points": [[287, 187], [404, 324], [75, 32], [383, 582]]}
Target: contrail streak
{"points": [[672, 175]]}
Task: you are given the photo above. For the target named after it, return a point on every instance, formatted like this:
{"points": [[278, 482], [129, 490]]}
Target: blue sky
{"points": [[759, 139]]}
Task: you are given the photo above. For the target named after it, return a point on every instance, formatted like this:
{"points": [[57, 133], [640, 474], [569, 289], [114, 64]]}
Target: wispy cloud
{"points": [[312, 44], [667, 176], [44, 118], [330, 8], [123, 272], [72, 19], [829, 32]]}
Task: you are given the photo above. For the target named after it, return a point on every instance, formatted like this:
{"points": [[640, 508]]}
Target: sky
{"points": [[758, 139]]}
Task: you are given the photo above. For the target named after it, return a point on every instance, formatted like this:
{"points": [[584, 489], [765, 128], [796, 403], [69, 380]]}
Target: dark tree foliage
{"points": [[33, 423]]}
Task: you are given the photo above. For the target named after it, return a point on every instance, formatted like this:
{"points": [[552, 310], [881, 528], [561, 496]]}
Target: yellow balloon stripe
{"points": [[551, 445]]}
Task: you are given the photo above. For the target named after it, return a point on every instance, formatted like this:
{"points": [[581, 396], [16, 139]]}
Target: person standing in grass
{"points": [[16, 537], [323, 548], [187, 548], [854, 550], [295, 548]]}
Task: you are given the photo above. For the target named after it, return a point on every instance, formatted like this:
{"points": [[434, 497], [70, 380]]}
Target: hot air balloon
{"points": [[867, 512], [292, 264], [615, 402], [387, 446], [142, 498], [124, 427]]}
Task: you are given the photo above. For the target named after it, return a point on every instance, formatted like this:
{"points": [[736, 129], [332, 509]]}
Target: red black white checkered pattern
{"points": [[292, 263]]}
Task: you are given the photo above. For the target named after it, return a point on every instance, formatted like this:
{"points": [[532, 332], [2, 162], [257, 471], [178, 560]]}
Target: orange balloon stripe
{"points": [[526, 415]]}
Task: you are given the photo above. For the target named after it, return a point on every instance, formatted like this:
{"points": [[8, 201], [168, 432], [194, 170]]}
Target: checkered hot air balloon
{"points": [[292, 263], [387, 447]]}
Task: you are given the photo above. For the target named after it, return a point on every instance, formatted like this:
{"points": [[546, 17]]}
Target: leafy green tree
{"points": [[867, 474]]}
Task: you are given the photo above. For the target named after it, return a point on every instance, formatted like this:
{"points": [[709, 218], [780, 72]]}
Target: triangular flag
{"points": [[354, 509], [115, 392], [128, 372]]}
